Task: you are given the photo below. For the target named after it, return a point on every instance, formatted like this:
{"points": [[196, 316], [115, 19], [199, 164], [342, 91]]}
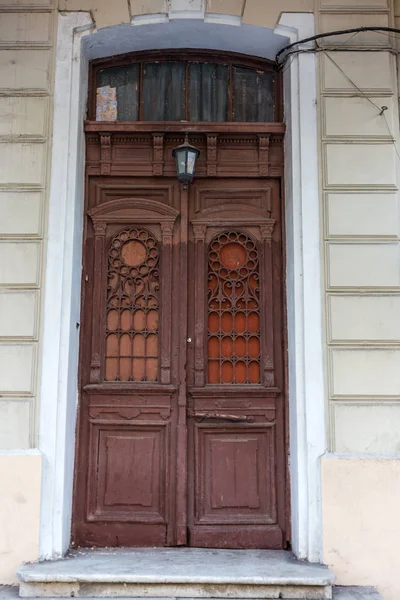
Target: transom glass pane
{"points": [[208, 92], [118, 94], [163, 95], [185, 91], [253, 98]]}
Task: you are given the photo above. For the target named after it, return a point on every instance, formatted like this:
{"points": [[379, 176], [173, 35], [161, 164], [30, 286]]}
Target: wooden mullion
{"points": [[187, 79], [230, 94], [140, 95]]}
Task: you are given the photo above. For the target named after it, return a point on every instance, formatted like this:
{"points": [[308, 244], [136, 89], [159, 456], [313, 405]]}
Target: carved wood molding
{"points": [[128, 413], [158, 154], [231, 152], [263, 155], [199, 230], [212, 141], [105, 153], [177, 126], [167, 230], [99, 228], [140, 208], [267, 229]]}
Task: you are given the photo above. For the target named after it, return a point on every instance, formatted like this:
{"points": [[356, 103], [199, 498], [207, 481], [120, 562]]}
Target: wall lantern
{"points": [[185, 157]]}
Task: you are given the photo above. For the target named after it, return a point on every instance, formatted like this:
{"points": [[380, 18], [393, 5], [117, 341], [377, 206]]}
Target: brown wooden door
{"points": [[181, 436]]}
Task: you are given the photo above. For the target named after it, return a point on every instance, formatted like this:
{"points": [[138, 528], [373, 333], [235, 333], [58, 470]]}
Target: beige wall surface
{"points": [[26, 61], [360, 254], [20, 477], [27, 31], [360, 229], [361, 528]]}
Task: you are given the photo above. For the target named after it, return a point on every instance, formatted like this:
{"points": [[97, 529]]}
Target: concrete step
{"points": [[177, 573], [339, 593]]}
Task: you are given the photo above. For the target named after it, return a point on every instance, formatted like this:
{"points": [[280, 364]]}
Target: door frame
{"points": [[60, 346]]}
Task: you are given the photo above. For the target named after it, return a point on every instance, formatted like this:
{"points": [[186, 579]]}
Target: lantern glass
{"points": [[191, 161], [185, 160]]}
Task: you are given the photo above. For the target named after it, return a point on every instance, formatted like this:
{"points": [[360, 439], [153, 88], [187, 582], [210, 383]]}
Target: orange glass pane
{"points": [[139, 320], [240, 322], [125, 368], [125, 345], [111, 369], [254, 347], [254, 372], [112, 320], [139, 369], [213, 348], [226, 322], [227, 347], [240, 372], [151, 369], [112, 346], [213, 371], [227, 372], [139, 345], [152, 320], [213, 322], [126, 318], [152, 346], [240, 346], [254, 322]]}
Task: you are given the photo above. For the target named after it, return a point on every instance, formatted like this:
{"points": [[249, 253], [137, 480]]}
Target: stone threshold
{"points": [[338, 593], [177, 573]]}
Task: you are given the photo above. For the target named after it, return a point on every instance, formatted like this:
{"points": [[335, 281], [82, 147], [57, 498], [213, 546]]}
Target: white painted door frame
{"points": [[59, 366]]}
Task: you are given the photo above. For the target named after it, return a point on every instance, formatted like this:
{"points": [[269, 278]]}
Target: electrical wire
{"points": [[281, 64], [381, 109], [319, 36]]}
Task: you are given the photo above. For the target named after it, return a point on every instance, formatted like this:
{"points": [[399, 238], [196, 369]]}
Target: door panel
{"points": [[181, 435], [125, 481], [236, 422]]}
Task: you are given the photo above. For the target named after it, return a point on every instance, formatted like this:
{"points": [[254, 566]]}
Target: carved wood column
{"points": [[263, 155], [98, 313], [167, 228], [268, 329], [200, 325], [212, 142], [158, 153], [105, 153]]}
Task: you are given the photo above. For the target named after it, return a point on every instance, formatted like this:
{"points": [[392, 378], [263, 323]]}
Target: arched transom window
{"points": [[184, 86]]}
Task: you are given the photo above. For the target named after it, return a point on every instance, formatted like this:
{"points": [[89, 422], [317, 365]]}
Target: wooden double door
{"points": [[181, 434]]}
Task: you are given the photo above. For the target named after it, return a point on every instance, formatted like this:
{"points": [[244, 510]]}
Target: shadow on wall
{"points": [[184, 33]]}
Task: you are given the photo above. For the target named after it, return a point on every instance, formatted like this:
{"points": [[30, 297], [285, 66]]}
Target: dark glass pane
{"points": [[253, 95], [163, 93], [118, 94], [208, 92]]}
